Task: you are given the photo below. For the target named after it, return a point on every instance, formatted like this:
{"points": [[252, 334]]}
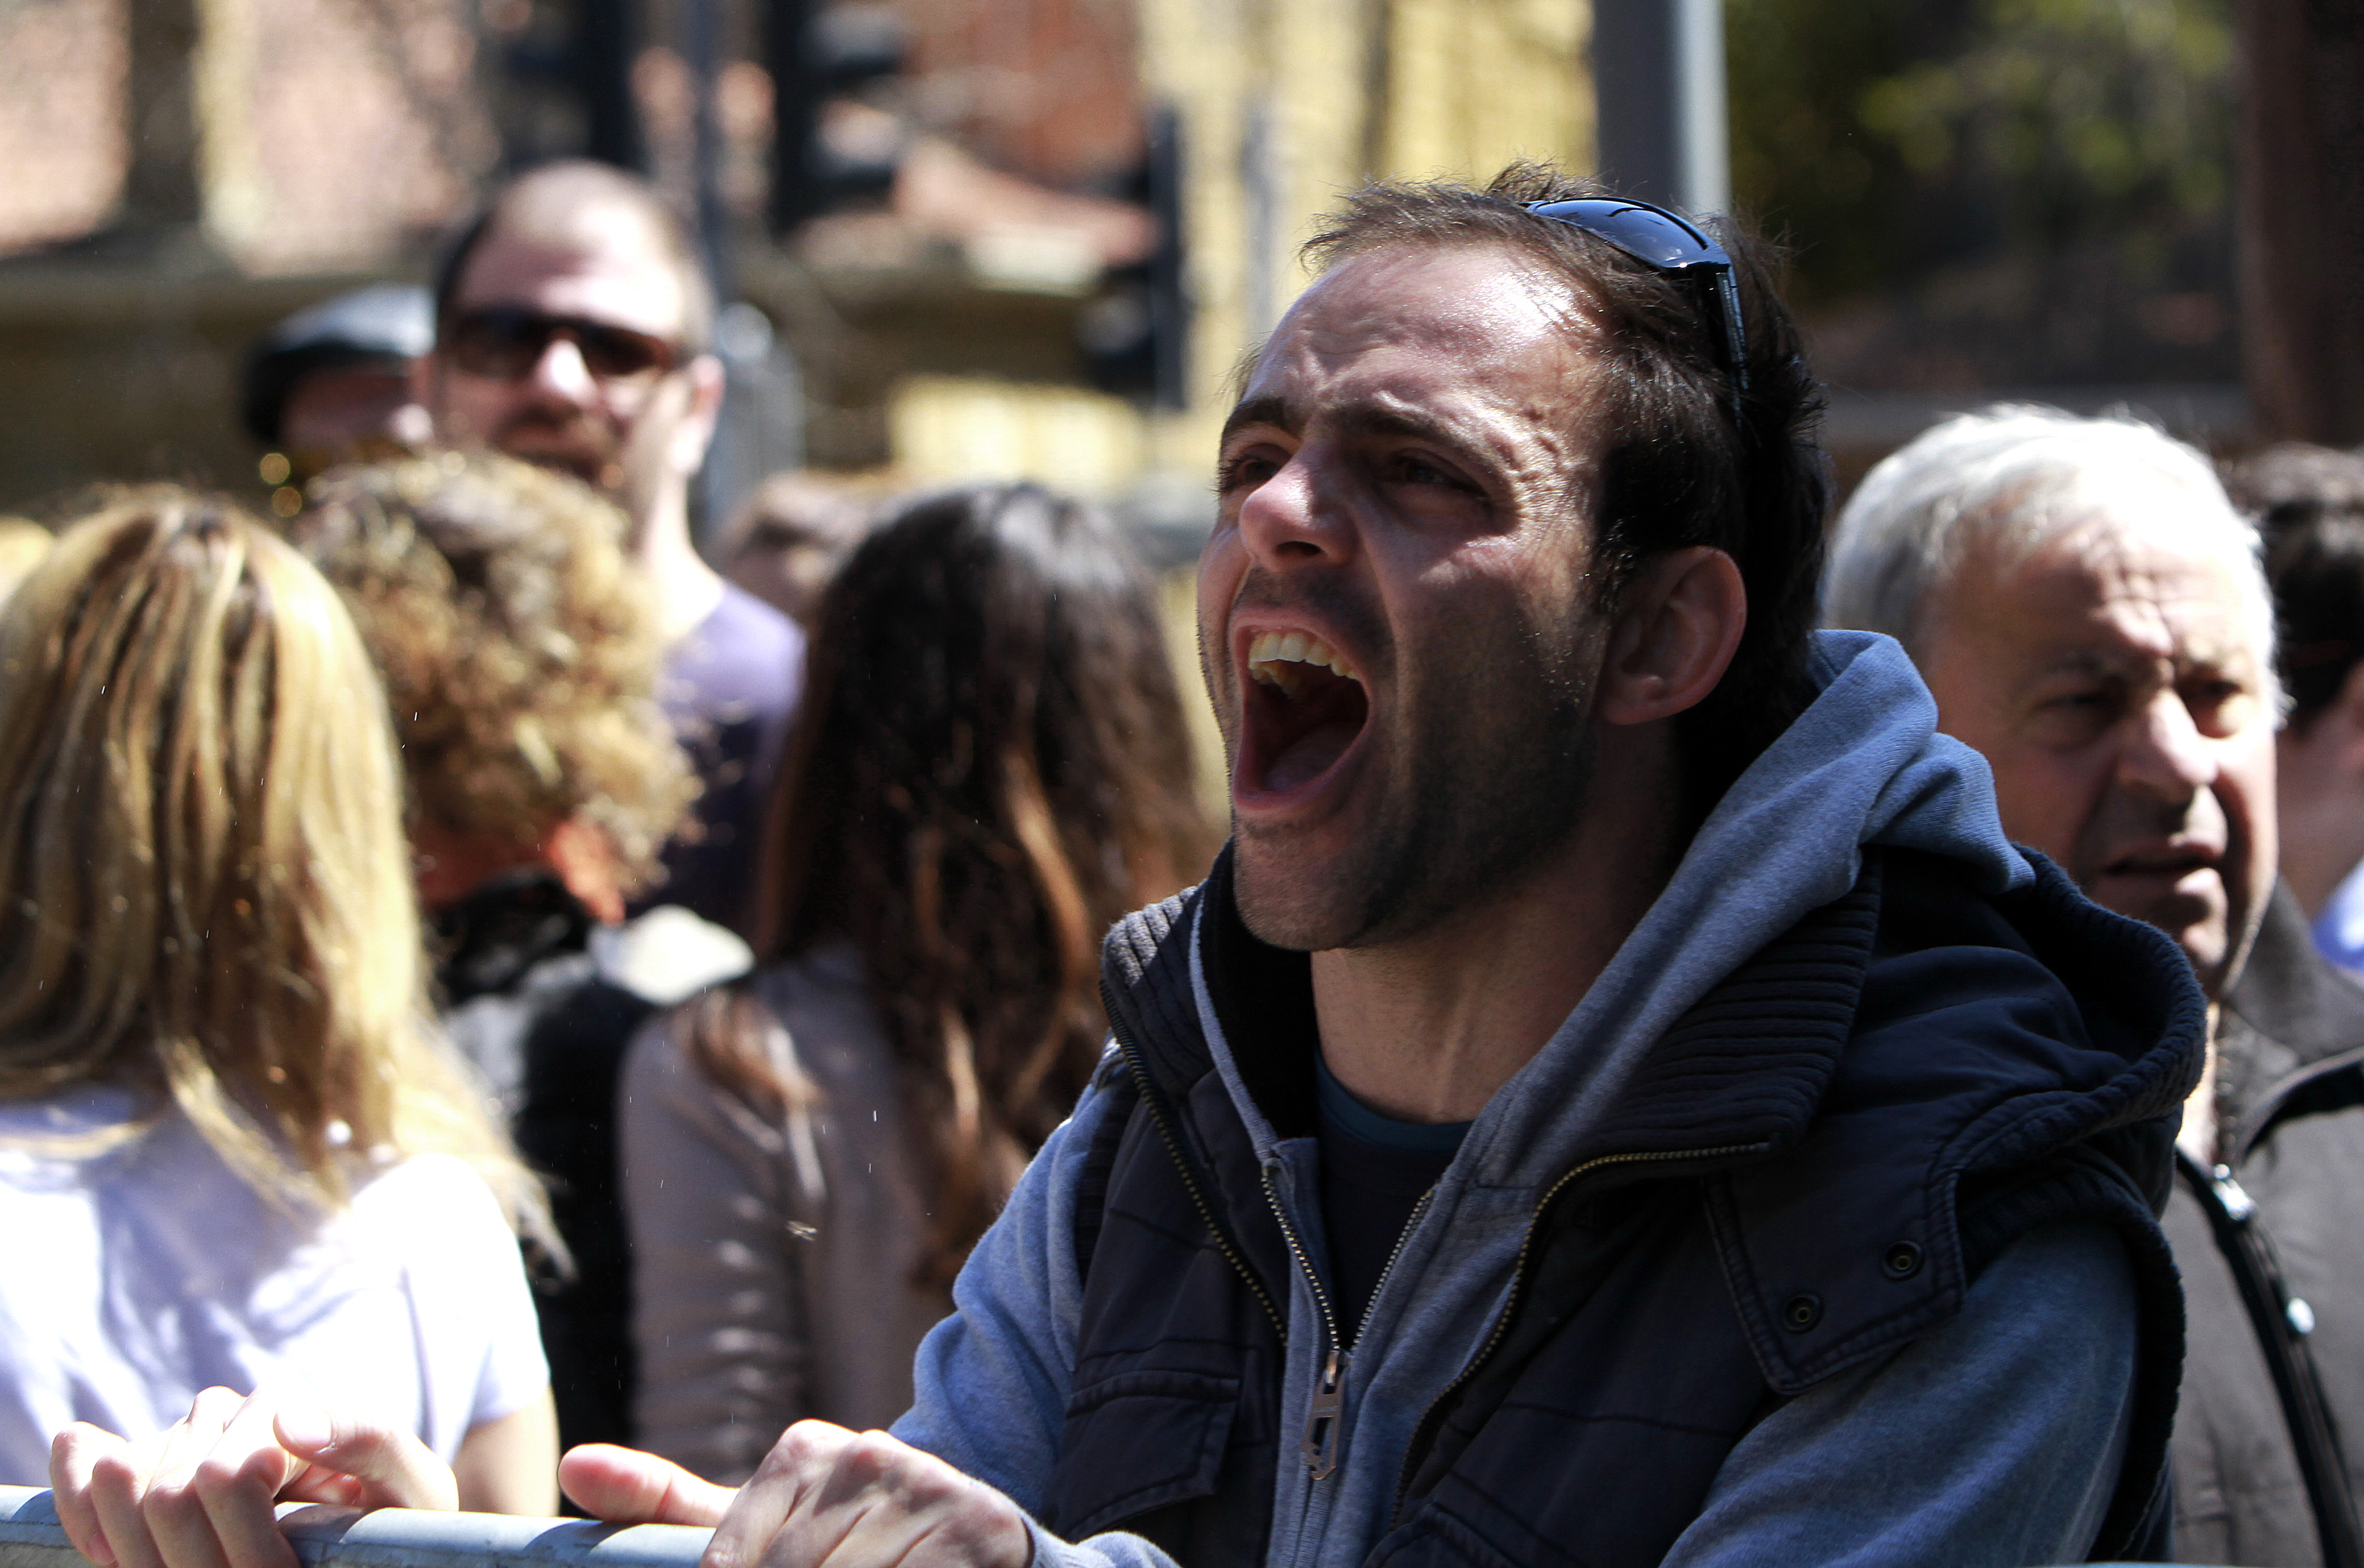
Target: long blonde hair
{"points": [[204, 891]]}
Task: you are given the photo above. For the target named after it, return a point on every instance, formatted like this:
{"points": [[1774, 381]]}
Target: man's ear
{"points": [[1677, 629], [582, 855]]}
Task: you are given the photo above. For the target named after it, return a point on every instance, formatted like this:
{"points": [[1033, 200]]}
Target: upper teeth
{"points": [[1273, 655]]}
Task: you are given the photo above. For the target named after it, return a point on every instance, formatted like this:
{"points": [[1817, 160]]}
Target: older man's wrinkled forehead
{"points": [[2144, 535]]}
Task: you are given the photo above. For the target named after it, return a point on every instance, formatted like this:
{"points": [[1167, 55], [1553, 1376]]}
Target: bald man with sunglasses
{"points": [[574, 321]]}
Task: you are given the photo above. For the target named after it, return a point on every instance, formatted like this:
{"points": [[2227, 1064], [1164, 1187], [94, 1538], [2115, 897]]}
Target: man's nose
{"points": [[2166, 756], [561, 373], [1294, 518]]}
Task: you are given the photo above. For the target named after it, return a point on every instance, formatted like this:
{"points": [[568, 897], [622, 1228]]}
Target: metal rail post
{"points": [[1657, 78], [31, 1537]]}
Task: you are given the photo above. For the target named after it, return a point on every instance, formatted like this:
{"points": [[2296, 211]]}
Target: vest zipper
{"points": [[1319, 1443], [1157, 1104], [1425, 1433]]}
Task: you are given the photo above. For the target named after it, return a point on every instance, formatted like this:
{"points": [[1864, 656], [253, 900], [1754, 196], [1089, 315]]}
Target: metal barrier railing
{"points": [[31, 1537]]}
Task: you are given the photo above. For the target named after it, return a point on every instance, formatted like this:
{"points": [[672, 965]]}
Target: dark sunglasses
{"points": [[505, 343], [1656, 238]]}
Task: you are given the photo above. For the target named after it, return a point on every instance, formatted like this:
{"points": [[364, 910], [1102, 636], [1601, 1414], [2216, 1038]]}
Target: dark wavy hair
{"points": [[1681, 470], [2308, 504], [990, 769]]}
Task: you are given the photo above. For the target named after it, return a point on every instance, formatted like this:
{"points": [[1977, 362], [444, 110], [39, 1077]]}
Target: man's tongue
{"points": [[1309, 756]]}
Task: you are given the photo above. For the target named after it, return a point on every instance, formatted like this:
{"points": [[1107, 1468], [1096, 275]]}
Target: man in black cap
{"points": [[335, 378]]}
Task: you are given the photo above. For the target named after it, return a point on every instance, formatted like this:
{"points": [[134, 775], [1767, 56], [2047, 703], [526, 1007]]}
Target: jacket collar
{"points": [[2292, 1019], [1744, 1069]]}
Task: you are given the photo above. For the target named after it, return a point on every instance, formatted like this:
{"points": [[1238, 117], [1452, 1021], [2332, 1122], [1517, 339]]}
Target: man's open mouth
{"points": [[1303, 707]]}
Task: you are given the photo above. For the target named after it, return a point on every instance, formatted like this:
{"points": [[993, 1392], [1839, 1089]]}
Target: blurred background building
{"points": [[979, 238]]}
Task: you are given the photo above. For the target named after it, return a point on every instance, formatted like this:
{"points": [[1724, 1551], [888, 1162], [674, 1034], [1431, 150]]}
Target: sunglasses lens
{"points": [[507, 344], [612, 353], [1658, 238], [500, 343]]}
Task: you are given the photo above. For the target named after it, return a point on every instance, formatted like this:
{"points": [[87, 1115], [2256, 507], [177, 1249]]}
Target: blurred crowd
{"points": [[474, 961], [466, 957]]}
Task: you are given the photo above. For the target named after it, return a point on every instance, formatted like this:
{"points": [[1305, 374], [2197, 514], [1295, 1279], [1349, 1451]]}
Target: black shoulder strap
{"points": [[2248, 1252]]}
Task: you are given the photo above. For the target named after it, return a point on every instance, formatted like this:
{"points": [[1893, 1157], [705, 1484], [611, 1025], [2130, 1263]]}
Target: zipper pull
{"points": [[2239, 1205], [1319, 1446]]}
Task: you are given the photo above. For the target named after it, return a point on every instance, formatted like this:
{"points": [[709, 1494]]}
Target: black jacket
{"points": [[525, 1003], [1816, 1160], [2291, 1109]]}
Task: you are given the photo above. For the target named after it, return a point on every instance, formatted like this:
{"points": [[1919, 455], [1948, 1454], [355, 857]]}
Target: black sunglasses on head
{"points": [[505, 343], [1656, 238]]}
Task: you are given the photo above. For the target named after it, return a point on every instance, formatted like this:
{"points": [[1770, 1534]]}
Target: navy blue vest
{"points": [[1885, 1122]]}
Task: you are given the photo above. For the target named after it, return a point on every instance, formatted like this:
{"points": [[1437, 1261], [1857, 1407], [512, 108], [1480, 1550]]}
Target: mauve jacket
{"points": [[772, 1261]]}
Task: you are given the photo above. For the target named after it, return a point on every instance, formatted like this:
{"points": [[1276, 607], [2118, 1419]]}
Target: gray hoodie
{"points": [[1993, 1440]]}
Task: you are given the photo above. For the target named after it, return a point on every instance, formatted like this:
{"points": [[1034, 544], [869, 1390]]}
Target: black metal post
{"points": [[606, 38], [1658, 79], [796, 88]]}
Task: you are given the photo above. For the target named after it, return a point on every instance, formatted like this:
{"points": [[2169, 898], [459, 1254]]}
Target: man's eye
{"points": [[1243, 470], [2213, 694], [2218, 708], [1411, 470]]}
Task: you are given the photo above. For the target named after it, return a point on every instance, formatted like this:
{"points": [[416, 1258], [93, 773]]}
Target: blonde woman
{"points": [[232, 1150]]}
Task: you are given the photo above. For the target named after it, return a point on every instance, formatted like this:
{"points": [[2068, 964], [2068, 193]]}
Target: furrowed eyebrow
{"points": [[1374, 419], [2229, 661], [1355, 419], [1268, 409]]}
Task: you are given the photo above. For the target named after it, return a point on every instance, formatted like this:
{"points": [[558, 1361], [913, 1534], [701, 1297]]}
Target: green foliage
{"points": [[1803, 164], [1861, 125]]}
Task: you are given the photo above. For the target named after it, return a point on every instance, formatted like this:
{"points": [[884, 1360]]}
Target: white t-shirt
{"points": [[139, 1275]]}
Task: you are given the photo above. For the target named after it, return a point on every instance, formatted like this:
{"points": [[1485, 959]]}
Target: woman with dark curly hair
{"points": [[991, 768]]}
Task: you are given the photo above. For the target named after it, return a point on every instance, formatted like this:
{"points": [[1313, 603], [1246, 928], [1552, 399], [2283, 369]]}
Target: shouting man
{"points": [[1620, 1099]]}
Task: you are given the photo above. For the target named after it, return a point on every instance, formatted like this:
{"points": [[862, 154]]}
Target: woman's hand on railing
{"points": [[201, 1494]]}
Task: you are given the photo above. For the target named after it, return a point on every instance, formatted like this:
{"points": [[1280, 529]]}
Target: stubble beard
{"points": [[1480, 796], [579, 445]]}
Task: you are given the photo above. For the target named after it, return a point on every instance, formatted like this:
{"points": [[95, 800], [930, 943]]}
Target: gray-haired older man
{"points": [[2088, 610]]}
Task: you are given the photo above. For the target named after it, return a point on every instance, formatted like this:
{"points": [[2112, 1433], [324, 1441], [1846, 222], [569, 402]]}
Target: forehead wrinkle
{"points": [[2143, 631], [1503, 369], [1363, 305], [2184, 603]]}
